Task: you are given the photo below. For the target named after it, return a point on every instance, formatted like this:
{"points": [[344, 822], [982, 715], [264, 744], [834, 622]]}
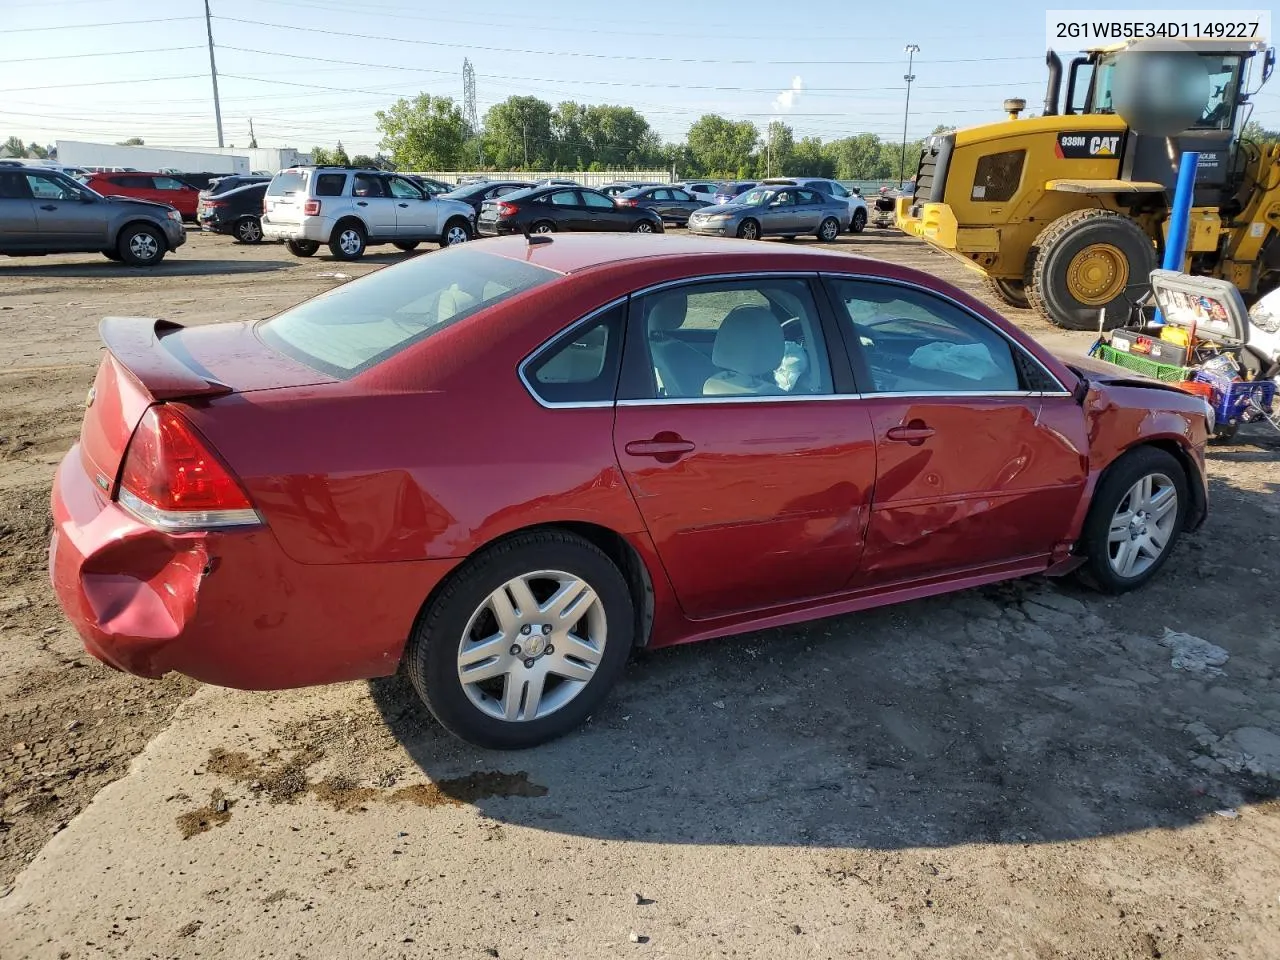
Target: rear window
{"points": [[353, 327], [330, 184], [287, 182]]}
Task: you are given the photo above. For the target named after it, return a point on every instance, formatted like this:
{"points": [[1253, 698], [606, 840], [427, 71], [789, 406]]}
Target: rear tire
{"points": [[1088, 261], [1012, 292], [1124, 526], [301, 248], [406, 247], [348, 241], [645, 226], [749, 230], [141, 245], [543, 226], [248, 230], [828, 230], [464, 612], [112, 255]]}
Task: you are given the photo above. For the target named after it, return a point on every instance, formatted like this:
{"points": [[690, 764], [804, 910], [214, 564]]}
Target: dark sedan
{"points": [[672, 204], [237, 212], [477, 193], [551, 209], [622, 186]]}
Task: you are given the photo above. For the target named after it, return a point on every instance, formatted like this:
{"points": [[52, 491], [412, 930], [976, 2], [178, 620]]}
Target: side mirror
{"points": [[85, 198]]}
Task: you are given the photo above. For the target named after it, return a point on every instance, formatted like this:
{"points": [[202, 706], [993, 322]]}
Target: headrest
{"points": [[749, 341], [668, 311]]}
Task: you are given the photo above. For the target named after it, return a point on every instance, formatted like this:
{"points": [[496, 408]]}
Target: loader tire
{"points": [[1012, 292], [1087, 261]]}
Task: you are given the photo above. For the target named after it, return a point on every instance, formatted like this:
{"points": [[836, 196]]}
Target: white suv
{"points": [[352, 209]]}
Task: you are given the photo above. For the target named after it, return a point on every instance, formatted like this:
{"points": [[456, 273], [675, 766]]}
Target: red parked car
{"points": [[158, 187], [509, 464]]}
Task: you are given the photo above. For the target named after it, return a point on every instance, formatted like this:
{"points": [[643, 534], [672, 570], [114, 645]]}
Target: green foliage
{"points": [[340, 155], [425, 133], [518, 134], [132, 142], [363, 160], [14, 147], [722, 148], [1256, 132], [321, 156]]}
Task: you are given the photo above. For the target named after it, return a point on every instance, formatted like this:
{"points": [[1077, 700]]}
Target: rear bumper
{"points": [[227, 608], [497, 228], [317, 229]]}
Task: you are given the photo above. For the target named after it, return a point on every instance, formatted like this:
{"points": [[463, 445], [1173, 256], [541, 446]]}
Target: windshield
{"points": [[353, 327], [1224, 83], [756, 197]]}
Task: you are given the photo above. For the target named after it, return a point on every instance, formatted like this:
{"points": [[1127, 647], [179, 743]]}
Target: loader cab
{"points": [[1153, 159]]}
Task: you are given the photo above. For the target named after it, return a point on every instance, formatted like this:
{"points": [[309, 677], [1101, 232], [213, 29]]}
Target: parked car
{"points": [[858, 213], [730, 190], [476, 194], [773, 212], [352, 209], [620, 187], [221, 185], [156, 187], [236, 212], [672, 204], [44, 211], [430, 185], [453, 466], [701, 189], [557, 182], [551, 209]]}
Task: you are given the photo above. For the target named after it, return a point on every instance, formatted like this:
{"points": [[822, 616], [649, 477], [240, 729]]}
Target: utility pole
{"points": [[213, 71], [911, 50], [524, 127], [253, 138]]}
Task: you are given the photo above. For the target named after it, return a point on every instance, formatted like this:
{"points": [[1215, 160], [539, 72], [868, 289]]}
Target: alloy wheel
{"points": [[249, 231], [830, 229], [532, 646], [644, 227], [1143, 525], [456, 234], [143, 246], [349, 242]]}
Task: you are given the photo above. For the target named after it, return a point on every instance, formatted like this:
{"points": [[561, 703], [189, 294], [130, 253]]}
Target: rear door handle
{"points": [[362, 203], [402, 204], [915, 433], [665, 448], [48, 206]]}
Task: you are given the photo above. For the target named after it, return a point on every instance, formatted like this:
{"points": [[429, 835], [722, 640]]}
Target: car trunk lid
{"points": [[286, 197], [151, 361]]}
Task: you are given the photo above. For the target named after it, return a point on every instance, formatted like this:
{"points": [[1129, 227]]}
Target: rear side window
{"points": [[353, 327], [132, 183], [13, 186], [582, 366], [287, 182], [330, 184]]}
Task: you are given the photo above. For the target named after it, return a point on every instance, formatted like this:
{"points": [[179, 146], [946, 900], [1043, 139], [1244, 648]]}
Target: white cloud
{"points": [[787, 99]]}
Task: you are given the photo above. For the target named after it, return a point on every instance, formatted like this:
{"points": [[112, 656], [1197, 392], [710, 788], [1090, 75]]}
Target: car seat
{"points": [[749, 347], [682, 368]]}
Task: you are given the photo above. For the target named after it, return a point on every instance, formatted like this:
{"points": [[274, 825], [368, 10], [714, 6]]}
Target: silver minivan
{"points": [[350, 210]]}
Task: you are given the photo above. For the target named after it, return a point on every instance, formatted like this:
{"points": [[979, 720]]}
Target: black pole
{"points": [[912, 49]]}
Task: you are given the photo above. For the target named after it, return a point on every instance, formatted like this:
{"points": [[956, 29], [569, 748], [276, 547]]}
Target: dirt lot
{"points": [[1022, 771]]}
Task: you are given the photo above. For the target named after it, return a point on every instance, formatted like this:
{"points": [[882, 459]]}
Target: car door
{"points": [[417, 215], [18, 224], [603, 213], [981, 453], [662, 202], [68, 218], [567, 211], [374, 206], [811, 209], [683, 203], [752, 465], [779, 215], [181, 196]]}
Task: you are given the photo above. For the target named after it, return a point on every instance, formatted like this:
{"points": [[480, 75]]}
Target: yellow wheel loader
{"points": [[1067, 212]]}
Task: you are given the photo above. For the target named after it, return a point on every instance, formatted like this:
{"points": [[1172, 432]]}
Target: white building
{"points": [[79, 153]]}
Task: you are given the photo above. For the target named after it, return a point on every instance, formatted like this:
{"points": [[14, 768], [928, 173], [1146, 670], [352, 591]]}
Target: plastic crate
{"points": [[1233, 398], [1144, 365]]}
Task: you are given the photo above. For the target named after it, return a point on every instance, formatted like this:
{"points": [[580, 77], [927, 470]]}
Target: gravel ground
{"points": [[1028, 770]]}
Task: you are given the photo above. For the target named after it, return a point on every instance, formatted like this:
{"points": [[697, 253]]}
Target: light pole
{"points": [[911, 49]]}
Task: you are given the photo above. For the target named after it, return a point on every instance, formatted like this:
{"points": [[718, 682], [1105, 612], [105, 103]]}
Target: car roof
{"points": [[575, 253]]}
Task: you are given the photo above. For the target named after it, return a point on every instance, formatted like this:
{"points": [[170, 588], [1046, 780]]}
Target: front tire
{"points": [[829, 229], [141, 246], [301, 248], [455, 232], [859, 222], [524, 641], [1088, 261], [348, 241], [749, 230], [645, 226], [1012, 292], [1135, 519]]}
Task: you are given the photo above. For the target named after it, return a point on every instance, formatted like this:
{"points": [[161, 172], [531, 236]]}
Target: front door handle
{"points": [[915, 433], [48, 206], [665, 447], [402, 205], [361, 203]]}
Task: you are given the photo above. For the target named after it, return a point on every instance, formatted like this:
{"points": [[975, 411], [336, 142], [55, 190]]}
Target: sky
{"points": [[312, 72]]}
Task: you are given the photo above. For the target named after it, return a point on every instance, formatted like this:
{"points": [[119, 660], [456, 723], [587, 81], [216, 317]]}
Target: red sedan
{"points": [[509, 464], [157, 187]]}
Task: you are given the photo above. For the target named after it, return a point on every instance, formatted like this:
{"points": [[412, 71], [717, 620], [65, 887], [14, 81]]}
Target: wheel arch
{"points": [[349, 218], [141, 222], [1178, 449]]}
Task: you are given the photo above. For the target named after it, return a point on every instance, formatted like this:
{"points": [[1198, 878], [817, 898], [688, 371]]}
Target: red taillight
{"points": [[622, 202], [172, 480], [507, 209], [212, 204], [311, 208]]}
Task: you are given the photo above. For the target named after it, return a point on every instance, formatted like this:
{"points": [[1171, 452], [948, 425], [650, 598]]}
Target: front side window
{"points": [[582, 366], [565, 198], [786, 198], [911, 342], [743, 338], [169, 183], [404, 190], [352, 327], [45, 187]]}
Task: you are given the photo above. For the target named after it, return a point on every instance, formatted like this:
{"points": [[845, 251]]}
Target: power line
{"points": [[100, 83], [103, 53], [87, 26]]}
